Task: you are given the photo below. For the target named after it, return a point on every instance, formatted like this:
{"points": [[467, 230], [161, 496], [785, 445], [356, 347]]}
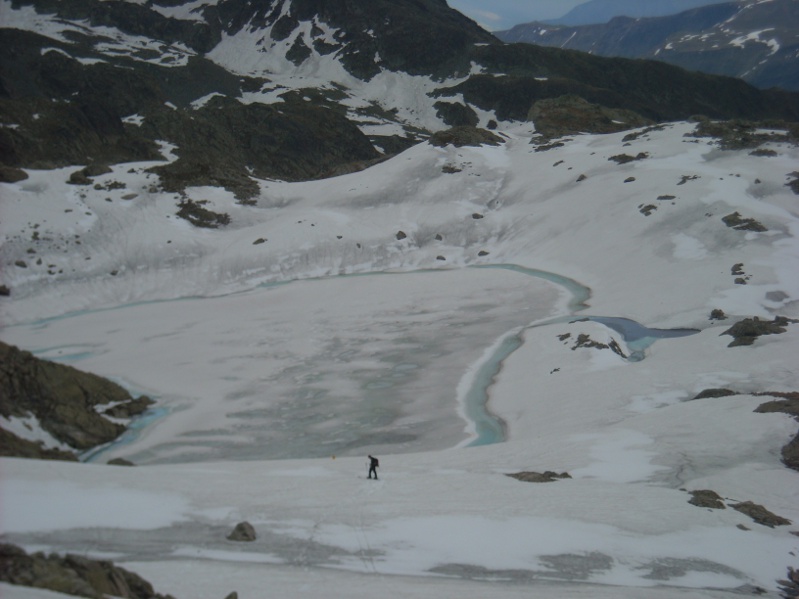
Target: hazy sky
{"points": [[504, 14], [496, 15]]}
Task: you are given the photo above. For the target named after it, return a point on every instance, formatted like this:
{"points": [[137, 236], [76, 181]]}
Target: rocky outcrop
{"points": [[67, 403], [571, 114], [760, 514], [707, 498], [72, 575], [746, 331], [710, 499]]}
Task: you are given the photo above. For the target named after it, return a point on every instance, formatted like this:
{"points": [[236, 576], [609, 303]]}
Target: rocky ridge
{"points": [[223, 84], [78, 410]]}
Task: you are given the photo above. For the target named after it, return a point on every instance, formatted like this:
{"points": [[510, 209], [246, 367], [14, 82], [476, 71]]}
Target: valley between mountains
{"points": [[562, 314]]}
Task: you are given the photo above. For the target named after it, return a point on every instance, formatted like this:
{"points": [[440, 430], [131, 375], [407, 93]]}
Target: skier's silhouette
{"points": [[374, 464]]}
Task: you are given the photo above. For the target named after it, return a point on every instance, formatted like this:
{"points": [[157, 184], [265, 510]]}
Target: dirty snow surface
{"points": [[450, 311]]}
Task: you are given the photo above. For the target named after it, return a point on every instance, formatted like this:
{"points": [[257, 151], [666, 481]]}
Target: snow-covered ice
{"points": [[333, 337]]}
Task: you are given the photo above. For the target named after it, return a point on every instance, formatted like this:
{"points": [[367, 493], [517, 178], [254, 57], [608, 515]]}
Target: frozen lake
{"points": [[282, 372]]}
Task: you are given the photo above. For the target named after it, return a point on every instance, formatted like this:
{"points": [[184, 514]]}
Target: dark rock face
{"points": [[62, 398], [72, 575]]}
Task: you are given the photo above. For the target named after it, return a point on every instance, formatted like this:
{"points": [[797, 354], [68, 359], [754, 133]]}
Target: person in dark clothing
{"points": [[374, 464]]}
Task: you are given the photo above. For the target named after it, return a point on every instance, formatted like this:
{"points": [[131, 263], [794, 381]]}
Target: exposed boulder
{"points": [[63, 399], [72, 575], [707, 498], [9, 174], [243, 532], [539, 477]]}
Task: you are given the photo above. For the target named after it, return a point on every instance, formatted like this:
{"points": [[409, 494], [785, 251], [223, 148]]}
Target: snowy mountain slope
{"points": [[391, 361], [234, 86], [756, 41]]}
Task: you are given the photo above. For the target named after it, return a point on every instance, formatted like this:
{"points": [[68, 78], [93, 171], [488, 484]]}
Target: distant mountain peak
{"points": [[601, 11], [755, 40]]}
